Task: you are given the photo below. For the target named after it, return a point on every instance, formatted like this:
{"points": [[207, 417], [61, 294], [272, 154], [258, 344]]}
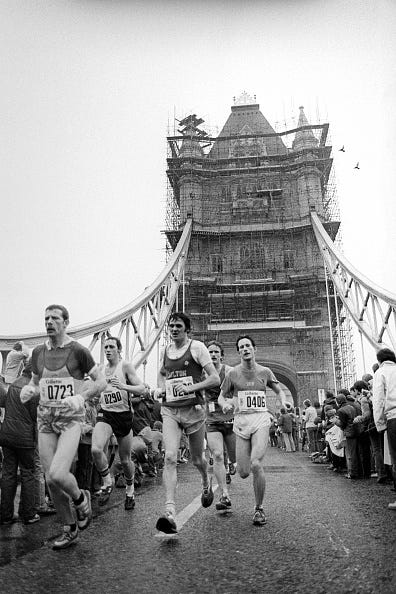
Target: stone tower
{"points": [[254, 265]]}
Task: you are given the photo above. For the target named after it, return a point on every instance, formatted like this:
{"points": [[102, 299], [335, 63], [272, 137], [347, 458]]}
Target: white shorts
{"points": [[245, 424]]}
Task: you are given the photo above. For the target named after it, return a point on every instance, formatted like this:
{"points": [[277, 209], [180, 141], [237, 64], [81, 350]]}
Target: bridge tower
{"points": [[254, 265]]}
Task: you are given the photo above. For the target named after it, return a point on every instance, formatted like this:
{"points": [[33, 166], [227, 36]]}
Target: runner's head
{"points": [[179, 326], [56, 320], [112, 347], [246, 346], [216, 351], [179, 316]]}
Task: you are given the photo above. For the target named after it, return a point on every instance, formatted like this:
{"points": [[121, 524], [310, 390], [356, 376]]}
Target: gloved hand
{"points": [[75, 403], [27, 393]]}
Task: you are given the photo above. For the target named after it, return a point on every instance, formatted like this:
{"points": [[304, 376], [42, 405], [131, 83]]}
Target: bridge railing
{"points": [[371, 308], [139, 324]]}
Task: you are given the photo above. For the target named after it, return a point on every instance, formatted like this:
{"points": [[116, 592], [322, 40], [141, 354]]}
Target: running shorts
{"points": [[245, 424], [189, 418], [51, 419], [223, 428], [120, 422]]}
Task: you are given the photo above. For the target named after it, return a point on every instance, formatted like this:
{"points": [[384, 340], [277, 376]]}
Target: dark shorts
{"points": [[223, 428], [120, 422]]}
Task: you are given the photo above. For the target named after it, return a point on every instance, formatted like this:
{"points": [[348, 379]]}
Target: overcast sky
{"points": [[89, 88]]}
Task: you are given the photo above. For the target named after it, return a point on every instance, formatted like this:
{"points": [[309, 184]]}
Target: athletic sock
{"points": [[80, 499], [130, 487], [170, 507]]}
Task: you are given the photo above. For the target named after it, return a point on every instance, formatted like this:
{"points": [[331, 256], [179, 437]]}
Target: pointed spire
{"points": [[304, 138]]}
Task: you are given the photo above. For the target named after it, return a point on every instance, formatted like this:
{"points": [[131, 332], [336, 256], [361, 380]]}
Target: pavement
{"points": [[325, 534]]}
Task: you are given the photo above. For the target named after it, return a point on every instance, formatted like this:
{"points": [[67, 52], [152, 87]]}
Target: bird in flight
{"points": [[342, 149], [357, 166]]}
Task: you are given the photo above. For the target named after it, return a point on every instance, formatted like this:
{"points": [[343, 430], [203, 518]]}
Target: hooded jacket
{"points": [[19, 428]]}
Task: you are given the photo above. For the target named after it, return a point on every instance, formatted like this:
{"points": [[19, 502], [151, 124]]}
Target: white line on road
{"points": [[190, 510]]}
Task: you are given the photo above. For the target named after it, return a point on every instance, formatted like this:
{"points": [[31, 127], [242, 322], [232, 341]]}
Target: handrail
{"points": [[372, 308]]}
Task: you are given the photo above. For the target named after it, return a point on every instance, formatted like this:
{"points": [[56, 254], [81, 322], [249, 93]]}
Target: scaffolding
{"points": [[254, 263]]}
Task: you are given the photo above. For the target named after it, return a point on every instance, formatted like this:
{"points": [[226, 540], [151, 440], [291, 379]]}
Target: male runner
{"points": [[115, 416], [183, 408], [59, 366], [246, 384], [219, 427]]}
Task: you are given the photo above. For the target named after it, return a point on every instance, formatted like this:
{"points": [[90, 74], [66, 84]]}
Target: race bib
{"points": [[111, 398], [170, 385], [54, 389], [252, 400], [211, 407]]}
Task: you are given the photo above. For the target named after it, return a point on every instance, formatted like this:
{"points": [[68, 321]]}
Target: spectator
{"points": [[84, 465], [384, 403], [310, 426], [285, 422], [334, 438], [18, 437], [272, 434], [15, 361], [344, 419], [361, 421]]}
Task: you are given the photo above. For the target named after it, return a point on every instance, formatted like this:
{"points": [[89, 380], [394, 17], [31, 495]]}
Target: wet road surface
{"points": [[325, 534]]}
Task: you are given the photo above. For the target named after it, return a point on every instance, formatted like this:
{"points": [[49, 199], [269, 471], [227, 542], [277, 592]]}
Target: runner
{"points": [[182, 408], [219, 428], [59, 366], [115, 416], [246, 385]]}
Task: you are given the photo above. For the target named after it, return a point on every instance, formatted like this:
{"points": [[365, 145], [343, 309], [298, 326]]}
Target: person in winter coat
{"points": [[18, 438]]}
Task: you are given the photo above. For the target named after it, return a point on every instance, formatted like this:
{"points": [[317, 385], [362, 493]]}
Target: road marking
{"points": [[190, 510], [335, 540]]}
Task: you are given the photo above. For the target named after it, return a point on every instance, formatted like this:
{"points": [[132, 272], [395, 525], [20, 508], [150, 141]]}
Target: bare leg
{"points": [[57, 453], [259, 447], [216, 445], [171, 433], [196, 440]]}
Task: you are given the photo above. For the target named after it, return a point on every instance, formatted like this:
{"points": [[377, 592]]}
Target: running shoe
{"points": [[32, 520], [228, 478], [84, 511], [231, 468], [392, 505], [67, 539], [129, 502], [224, 503], [105, 493], [167, 523], [259, 518], [207, 495]]}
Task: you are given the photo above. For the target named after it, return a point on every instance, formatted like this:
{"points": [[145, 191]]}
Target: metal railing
{"points": [[139, 324], [371, 308]]}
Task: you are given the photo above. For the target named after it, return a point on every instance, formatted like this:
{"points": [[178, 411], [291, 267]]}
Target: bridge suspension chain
{"points": [[139, 324], [371, 308]]}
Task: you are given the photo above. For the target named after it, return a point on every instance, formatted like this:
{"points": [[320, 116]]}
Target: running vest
{"points": [[113, 399], [184, 370], [214, 412], [59, 374], [249, 388]]}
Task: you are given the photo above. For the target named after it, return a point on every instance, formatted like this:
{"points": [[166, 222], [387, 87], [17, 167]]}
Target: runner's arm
{"points": [[211, 380], [279, 392], [135, 386], [96, 386]]}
